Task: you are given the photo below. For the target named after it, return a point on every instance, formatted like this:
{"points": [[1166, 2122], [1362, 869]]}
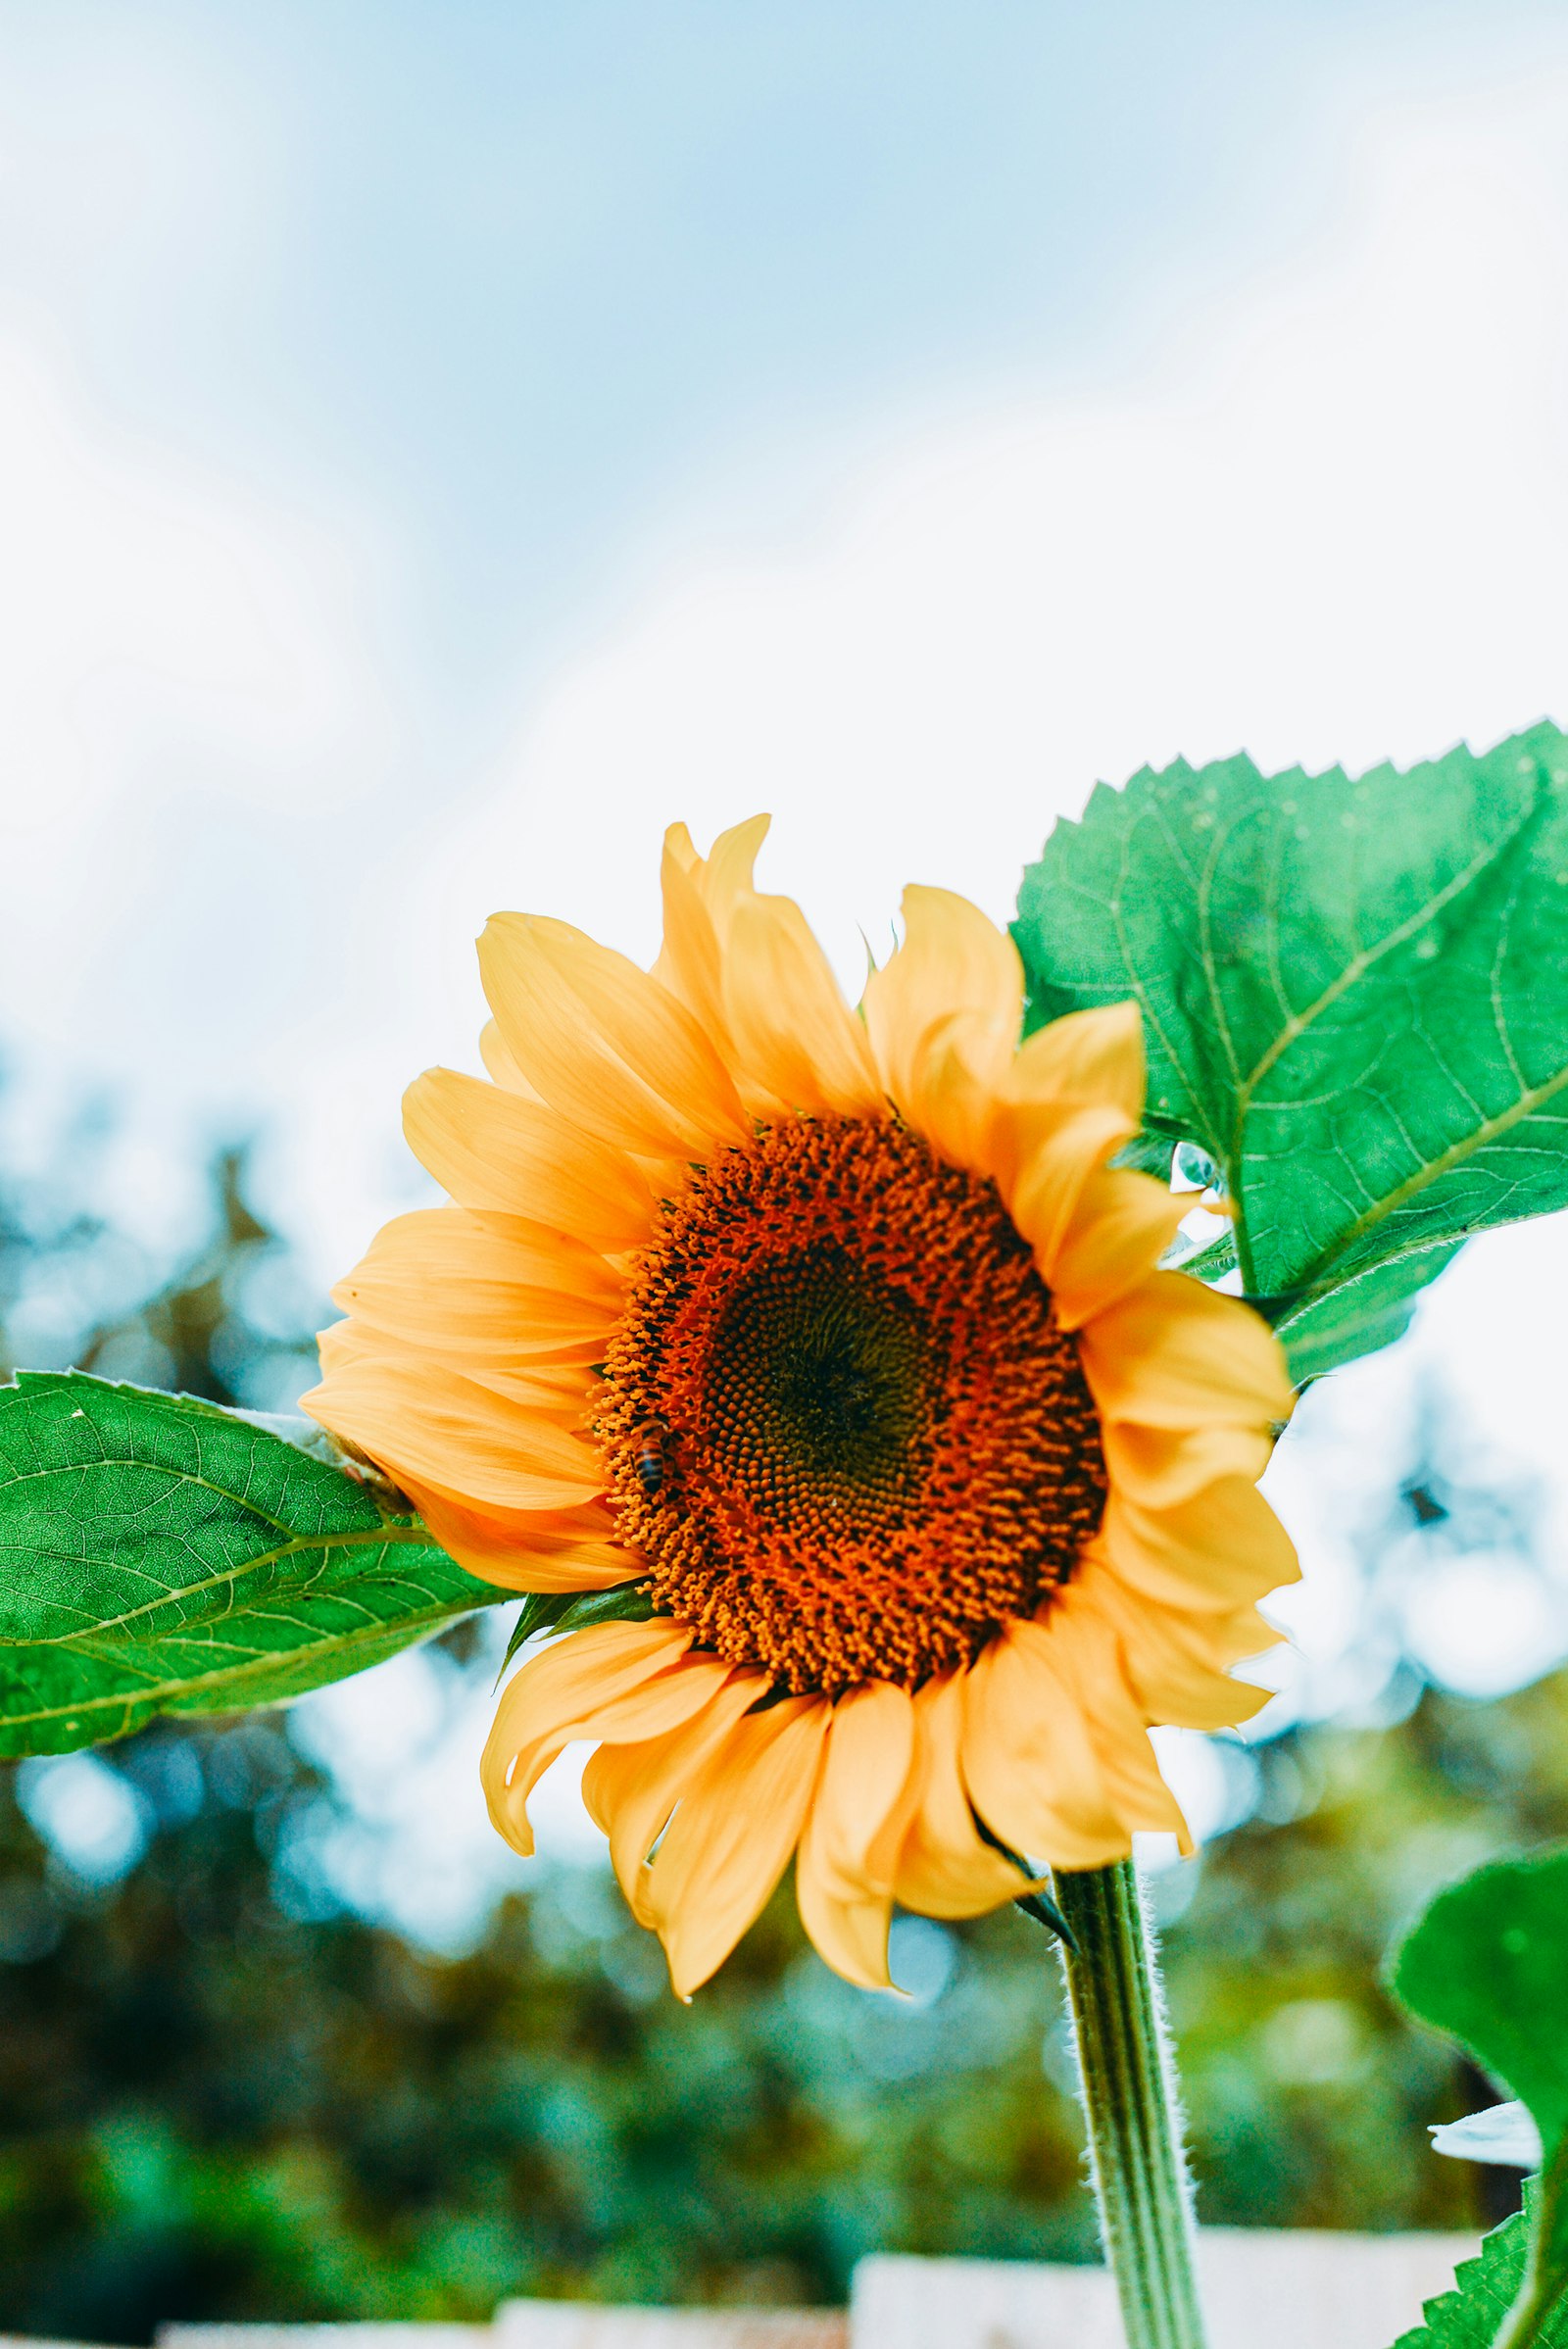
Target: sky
{"points": [[440, 445]]}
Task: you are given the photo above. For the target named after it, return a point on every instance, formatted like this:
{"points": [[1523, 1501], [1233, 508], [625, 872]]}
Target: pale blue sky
{"points": [[534, 284]]}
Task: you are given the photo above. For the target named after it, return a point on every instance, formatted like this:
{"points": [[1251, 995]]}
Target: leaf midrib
{"points": [[228, 1675], [1233, 1159], [1367, 959], [1321, 1269], [302, 1543]]}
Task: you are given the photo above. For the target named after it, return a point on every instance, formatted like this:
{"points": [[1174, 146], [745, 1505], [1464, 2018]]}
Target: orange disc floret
{"points": [[876, 1445]]}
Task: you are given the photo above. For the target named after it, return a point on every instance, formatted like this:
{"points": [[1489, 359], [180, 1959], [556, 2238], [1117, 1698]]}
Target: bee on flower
{"points": [[651, 1440], [966, 1494]]}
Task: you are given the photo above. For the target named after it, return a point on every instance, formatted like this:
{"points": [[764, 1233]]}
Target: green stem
{"points": [[1128, 2097]]}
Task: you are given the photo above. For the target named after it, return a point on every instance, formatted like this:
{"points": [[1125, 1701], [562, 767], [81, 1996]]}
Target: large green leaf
{"points": [[158, 1556], [1356, 999], [1487, 1963]]}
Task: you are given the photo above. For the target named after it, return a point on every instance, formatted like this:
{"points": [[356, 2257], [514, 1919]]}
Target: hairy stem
{"points": [[1128, 2097]]}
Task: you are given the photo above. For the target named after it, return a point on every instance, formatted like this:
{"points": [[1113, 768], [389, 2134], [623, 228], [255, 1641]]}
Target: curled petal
{"points": [[849, 1851], [631, 1790], [1161, 1467], [731, 1835], [700, 894], [954, 1106], [724, 876], [1121, 1225], [1029, 1763], [953, 963], [1175, 1663], [1220, 1550], [1117, 1725], [626, 1680], [1085, 1056], [1046, 1156], [689, 962]]}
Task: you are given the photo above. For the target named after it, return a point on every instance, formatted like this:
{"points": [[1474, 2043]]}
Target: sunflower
{"points": [[841, 1339]]}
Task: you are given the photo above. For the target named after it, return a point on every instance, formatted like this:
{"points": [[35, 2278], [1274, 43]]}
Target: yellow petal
{"points": [[1088, 1642], [1177, 1665], [1160, 1468], [700, 894], [490, 1149], [503, 1069], [564, 1550], [731, 1837], [849, 1850], [562, 1391], [1222, 1549], [1028, 1760], [953, 1102], [1043, 1157], [1175, 1355], [1085, 1056], [790, 1024], [473, 1288], [689, 962], [625, 1678], [725, 874], [1121, 1225], [604, 1042], [946, 1867], [1137, 1789], [952, 962], [631, 1790], [427, 1423]]}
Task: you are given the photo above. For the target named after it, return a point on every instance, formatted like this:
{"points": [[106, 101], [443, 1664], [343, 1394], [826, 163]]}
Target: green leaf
{"points": [[1148, 1153], [1213, 1261], [1356, 999], [1367, 1310], [1487, 1963], [159, 1555], [1486, 2288]]}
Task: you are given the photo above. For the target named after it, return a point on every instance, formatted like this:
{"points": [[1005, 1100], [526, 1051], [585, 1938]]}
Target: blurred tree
{"points": [[194, 1326], [222, 2096]]}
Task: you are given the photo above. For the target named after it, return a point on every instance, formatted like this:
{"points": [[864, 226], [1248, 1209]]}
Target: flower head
{"points": [[841, 1337]]}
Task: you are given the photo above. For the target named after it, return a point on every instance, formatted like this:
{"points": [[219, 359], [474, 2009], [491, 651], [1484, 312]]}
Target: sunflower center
{"points": [[838, 1416], [815, 1384]]}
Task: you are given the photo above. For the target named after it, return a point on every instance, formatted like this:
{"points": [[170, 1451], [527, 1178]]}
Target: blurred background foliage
{"points": [[223, 2093]]}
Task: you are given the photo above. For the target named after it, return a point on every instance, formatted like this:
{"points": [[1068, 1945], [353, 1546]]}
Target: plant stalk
{"points": [[1129, 2096]]}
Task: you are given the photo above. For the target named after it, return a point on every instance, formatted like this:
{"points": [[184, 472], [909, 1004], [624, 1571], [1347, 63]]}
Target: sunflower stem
{"points": [[1128, 2082]]}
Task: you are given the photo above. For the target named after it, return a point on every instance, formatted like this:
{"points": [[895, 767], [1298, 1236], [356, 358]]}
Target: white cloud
{"points": [[196, 744], [1320, 523]]}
